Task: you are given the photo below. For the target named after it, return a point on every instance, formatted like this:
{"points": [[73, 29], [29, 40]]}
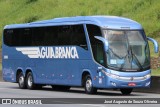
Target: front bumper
{"points": [[116, 79], [115, 83]]}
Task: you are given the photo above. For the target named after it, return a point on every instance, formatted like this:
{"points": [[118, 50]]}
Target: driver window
{"points": [[96, 45]]}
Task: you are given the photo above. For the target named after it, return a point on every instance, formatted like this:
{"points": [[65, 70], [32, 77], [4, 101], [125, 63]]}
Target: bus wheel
{"points": [[30, 81], [89, 89], [126, 91], [21, 81]]}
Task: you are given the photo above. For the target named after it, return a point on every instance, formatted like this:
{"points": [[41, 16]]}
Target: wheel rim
{"points": [[30, 81], [21, 80], [89, 85]]}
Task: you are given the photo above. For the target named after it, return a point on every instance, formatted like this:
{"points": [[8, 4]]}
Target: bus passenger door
{"points": [[98, 54]]}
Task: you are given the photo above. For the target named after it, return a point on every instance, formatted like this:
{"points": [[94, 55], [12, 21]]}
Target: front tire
{"points": [[126, 91], [30, 81], [21, 81], [89, 89]]}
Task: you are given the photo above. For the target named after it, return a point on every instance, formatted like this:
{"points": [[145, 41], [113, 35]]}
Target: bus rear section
{"points": [[46, 55]]}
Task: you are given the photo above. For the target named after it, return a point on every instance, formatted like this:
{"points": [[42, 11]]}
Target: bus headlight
{"points": [[147, 76], [112, 75]]}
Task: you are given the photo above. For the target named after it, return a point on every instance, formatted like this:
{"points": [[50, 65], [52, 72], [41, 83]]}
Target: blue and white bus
{"points": [[95, 52]]}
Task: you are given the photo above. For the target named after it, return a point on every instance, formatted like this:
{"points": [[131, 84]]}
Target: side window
{"points": [[17, 37], [97, 46], [72, 35], [46, 36], [7, 37], [25, 37], [51, 36], [78, 37], [64, 35], [38, 36]]}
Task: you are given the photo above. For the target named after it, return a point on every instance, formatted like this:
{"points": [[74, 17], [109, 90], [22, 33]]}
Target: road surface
{"points": [[11, 90]]}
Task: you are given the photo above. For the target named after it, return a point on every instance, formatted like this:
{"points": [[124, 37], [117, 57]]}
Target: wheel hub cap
{"points": [[21, 80], [30, 81], [88, 85]]}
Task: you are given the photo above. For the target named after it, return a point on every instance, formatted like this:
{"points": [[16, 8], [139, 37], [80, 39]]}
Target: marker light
{"points": [[113, 83], [147, 76]]}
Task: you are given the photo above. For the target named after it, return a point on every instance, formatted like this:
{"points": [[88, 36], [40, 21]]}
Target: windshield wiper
{"points": [[122, 65], [116, 54], [131, 57]]}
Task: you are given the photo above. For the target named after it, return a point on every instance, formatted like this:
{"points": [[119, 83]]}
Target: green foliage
{"points": [[155, 72], [31, 1], [146, 12], [30, 19]]}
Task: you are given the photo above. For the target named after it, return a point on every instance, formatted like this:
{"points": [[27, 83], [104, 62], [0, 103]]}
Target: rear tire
{"points": [[126, 91], [89, 89], [30, 81], [21, 81]]}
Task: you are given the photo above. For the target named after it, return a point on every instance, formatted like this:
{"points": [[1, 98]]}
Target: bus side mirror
{"points": [[156, 48], [105, 42]]}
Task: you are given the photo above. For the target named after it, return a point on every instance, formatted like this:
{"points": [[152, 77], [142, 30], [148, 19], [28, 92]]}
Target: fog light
{"points": [[148, 83], [114, 84]]}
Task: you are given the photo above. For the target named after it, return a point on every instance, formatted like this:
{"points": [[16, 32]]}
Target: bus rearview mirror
{"points": [[156, 47], [105, 42]]}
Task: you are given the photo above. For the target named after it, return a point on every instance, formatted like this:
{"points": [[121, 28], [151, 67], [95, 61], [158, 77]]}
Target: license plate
{"points": [[131, 84]]}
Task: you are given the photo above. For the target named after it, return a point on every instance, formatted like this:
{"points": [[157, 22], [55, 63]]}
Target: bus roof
{"points": [[109, 22]]}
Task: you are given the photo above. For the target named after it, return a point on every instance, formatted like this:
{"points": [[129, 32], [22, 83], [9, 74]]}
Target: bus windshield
{"points": [[128, 50]]}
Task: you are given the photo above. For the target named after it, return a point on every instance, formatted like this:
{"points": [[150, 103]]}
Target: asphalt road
{"points": [[11, 90]]}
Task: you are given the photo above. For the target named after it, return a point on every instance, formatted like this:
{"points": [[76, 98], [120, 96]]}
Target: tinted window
{"points": [[97, 46], [17, 37], [46, 36]]}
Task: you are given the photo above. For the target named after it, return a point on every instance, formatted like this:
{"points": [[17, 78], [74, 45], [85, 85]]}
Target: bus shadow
{"points": [[81, 91]]}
